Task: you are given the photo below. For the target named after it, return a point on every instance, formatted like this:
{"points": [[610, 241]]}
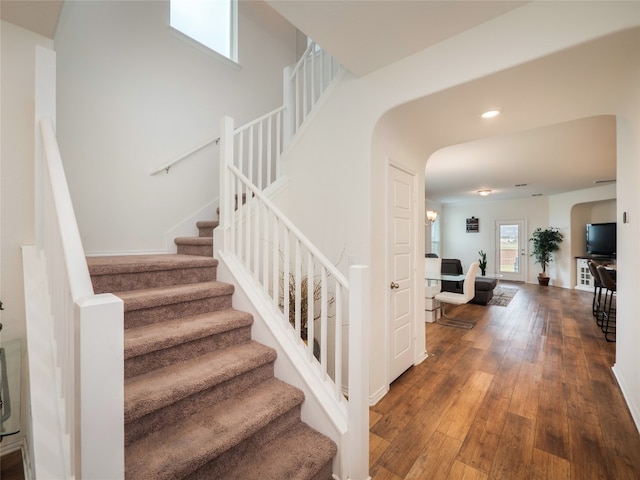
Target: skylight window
{"points": [[212, 23]]}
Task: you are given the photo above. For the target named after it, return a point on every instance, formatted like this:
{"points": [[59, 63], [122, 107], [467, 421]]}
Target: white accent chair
{"points": [[432, 287], [468, 292], [432, 268]]}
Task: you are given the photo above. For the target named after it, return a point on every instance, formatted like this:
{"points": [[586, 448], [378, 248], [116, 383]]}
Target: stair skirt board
{"points": [[201, 398]]}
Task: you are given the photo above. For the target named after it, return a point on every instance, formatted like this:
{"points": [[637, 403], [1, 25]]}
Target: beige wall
{"points": [[16, 182], [133, 95]]}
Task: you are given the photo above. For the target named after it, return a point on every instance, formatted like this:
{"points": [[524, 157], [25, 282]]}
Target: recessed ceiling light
{"points": [[490, 113], [484, 193]]}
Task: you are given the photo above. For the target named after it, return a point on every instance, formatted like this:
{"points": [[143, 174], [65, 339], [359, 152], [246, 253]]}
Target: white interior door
{"points": [[511, 250], [401, 271]]}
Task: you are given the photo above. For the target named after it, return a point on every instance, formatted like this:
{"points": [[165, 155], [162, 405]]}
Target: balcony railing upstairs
{"points": [[306, 82], [259, 145], [262, 141]]}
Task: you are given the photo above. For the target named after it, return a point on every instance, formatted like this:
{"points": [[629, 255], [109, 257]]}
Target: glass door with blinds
{"points": [[511, 250]]}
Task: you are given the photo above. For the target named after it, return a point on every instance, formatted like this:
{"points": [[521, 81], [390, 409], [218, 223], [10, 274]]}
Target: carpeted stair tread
{"points": [[118, 264], [158, 336], [153, 297], [182, 448], [161, 387], [207, 224], [299, 455]]}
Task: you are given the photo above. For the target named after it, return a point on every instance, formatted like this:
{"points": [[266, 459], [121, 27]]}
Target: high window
{"points": [[435, 237], [213, 23]]}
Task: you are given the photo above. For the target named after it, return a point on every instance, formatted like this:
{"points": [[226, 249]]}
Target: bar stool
{"points": [[608, 311], [597, 291]]}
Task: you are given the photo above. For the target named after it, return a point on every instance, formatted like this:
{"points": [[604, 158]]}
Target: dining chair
{"points": [[608, 311], [468, 292], [597, 291]]}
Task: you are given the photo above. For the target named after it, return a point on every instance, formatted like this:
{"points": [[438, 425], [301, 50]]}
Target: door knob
{"points": [[394, 285]]}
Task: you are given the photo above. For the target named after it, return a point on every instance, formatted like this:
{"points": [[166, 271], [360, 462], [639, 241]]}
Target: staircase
{"points": [[201, 399]]}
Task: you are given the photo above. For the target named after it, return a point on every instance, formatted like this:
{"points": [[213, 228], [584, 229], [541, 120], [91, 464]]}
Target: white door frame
{"points": [[419, 343], [521, 254]]}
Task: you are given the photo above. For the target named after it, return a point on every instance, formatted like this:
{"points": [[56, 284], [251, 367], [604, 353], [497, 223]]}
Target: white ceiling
{"points": [[545, 136], [365, 35], [39, 16]]}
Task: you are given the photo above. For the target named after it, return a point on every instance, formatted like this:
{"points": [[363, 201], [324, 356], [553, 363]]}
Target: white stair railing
{"points": [[310, 295], [258, 145], [78, 420], [305, 83]]}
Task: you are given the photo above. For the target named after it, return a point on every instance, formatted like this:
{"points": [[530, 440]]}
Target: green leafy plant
{"points": [[545, 242], [483, 262]]}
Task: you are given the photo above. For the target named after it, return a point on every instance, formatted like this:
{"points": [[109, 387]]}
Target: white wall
{"points": [[569, 212], [16, 180], [337, 172], [133, 95], [584, 213], [627, 367], [560, 216], [457, 243]]}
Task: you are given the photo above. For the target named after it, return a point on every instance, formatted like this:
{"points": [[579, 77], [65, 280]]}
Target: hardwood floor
{"points": [[11, 466], [528, 393]]}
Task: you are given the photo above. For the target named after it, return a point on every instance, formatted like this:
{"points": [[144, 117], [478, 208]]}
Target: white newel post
{"points": [[100, 373], [288, 97], [226, 195], [358, 373]]}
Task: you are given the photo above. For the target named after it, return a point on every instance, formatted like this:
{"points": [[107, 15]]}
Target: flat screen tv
{"points": [[601, 239]]}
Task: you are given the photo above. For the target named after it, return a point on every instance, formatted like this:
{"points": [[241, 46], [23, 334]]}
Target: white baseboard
{"points": [[377, 396], [634, 409]]}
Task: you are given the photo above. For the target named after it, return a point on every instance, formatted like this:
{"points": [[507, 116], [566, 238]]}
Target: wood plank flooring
{"points": [[527, 394], [11, 466]]}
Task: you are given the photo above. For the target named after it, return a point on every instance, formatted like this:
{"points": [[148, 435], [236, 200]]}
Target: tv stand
{"points": [[584, 280]]}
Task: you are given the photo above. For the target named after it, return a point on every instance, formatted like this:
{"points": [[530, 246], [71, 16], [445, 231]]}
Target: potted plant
{"points": [[545, 242], [483, 262]]}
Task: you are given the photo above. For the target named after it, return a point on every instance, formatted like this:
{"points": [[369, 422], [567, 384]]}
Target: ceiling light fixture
{"points": [[484, 193], [490, 113]]}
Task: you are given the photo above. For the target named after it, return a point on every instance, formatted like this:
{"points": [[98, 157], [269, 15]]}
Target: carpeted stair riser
{"points": [[180, 449], [142, 364], [162, 387], [178, 411], [230, 459], [205, 228], [298, 453], [151, 315], [170, 333], [165, 396], [144, 307], [135, 281], [135, 272], [199, 246]]}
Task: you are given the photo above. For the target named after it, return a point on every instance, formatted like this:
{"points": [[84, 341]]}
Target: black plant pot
{"points": [[543, 280]]}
